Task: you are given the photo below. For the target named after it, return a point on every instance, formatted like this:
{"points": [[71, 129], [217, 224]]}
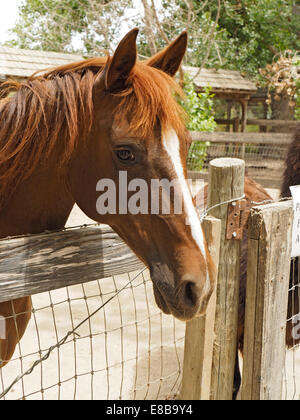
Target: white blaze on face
{"points": [[172, 146]]}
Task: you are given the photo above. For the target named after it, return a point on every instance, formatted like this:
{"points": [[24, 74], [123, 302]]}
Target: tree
{"points": [[238, 34], [243, 35], [86, 26]]}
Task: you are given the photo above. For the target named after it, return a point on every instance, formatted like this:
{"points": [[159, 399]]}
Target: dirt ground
{"points": [[127, 350]]}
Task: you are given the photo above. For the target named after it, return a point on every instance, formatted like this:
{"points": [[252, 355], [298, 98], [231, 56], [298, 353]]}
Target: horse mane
{"points": [[291, 174], [57, 107]]}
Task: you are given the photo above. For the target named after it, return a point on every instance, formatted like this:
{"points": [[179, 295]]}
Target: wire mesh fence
{"points": [[128, 350], [265, 161]]}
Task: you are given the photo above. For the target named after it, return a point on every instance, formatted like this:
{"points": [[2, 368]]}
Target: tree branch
{"points": [[149, 26], [211, 39]]}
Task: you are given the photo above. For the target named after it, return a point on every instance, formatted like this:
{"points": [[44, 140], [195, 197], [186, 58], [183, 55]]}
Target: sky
{"points": [[8, 16]]}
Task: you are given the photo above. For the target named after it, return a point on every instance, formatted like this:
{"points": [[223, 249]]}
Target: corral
{"points": [[130, 350], [264, 154]]}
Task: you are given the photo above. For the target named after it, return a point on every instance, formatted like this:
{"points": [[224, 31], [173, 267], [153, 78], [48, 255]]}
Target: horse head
{"points": [[130, 173]]}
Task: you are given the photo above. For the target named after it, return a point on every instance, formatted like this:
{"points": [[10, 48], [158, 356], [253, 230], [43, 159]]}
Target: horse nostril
{"points": [[190, 294]]}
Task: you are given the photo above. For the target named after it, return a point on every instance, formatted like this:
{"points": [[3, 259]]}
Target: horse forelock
{"points": [[151, 98]]}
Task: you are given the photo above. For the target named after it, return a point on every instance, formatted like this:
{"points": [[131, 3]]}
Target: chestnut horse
{"points": [[62, 132]]}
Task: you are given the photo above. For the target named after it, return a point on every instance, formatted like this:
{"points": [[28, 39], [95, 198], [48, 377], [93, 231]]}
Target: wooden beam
{"points": [[229, 108], [269, 250], [244, 105], [199, 335], [251, 138], [272, 123], [48, 261], [226, 181], [231, 94], [263, 122], [244, 115]]}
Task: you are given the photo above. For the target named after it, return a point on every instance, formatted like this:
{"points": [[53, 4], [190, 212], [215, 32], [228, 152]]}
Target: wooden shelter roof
{"points": [[221, 81], [19, 63]]}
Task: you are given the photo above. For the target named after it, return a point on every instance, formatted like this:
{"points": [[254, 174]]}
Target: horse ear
{"points": [[169, 59], [120, 65]]}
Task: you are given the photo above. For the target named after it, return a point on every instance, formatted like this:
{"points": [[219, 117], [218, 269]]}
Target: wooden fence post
{"points": [[226, 182], [269, 250], [199, 335]]}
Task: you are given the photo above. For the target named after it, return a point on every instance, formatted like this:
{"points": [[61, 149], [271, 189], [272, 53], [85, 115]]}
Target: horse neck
{"points": [[40, 203]]}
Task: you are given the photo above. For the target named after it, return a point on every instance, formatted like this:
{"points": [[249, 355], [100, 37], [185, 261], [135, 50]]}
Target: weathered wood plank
{"points": [[226, 180], [269, 250], [251, 138], [199, 335], [39, 263], [250, 315]]}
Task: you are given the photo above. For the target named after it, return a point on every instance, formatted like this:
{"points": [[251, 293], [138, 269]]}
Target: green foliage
{"points": [[255, 30], [199, 108], [84, 26], [248, 33], [247, 36]]}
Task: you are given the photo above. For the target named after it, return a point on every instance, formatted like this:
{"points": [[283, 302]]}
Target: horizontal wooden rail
{"points": [[261, 122], [252, 138], [48, 261]]}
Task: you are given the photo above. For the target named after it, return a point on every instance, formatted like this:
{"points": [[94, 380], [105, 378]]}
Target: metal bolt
{"points": [[234, 234]]}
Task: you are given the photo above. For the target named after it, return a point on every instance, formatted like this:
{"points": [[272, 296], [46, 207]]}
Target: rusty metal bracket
{"points": [[236, 219]]}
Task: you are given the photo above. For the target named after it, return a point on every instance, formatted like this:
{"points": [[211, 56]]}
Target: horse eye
{"points": [[125, 155]]}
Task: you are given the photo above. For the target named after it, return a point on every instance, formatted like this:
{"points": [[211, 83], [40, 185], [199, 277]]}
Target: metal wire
{"points": [[156, 356], [265, 161], [112, 353], [64, 339], [208, 209]]}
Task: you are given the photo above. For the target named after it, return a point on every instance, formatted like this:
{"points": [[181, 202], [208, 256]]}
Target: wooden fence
{"points": [[48, 261], [269, 250], [45, 262], [261, 123], [264, 163], [250, 138]]}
